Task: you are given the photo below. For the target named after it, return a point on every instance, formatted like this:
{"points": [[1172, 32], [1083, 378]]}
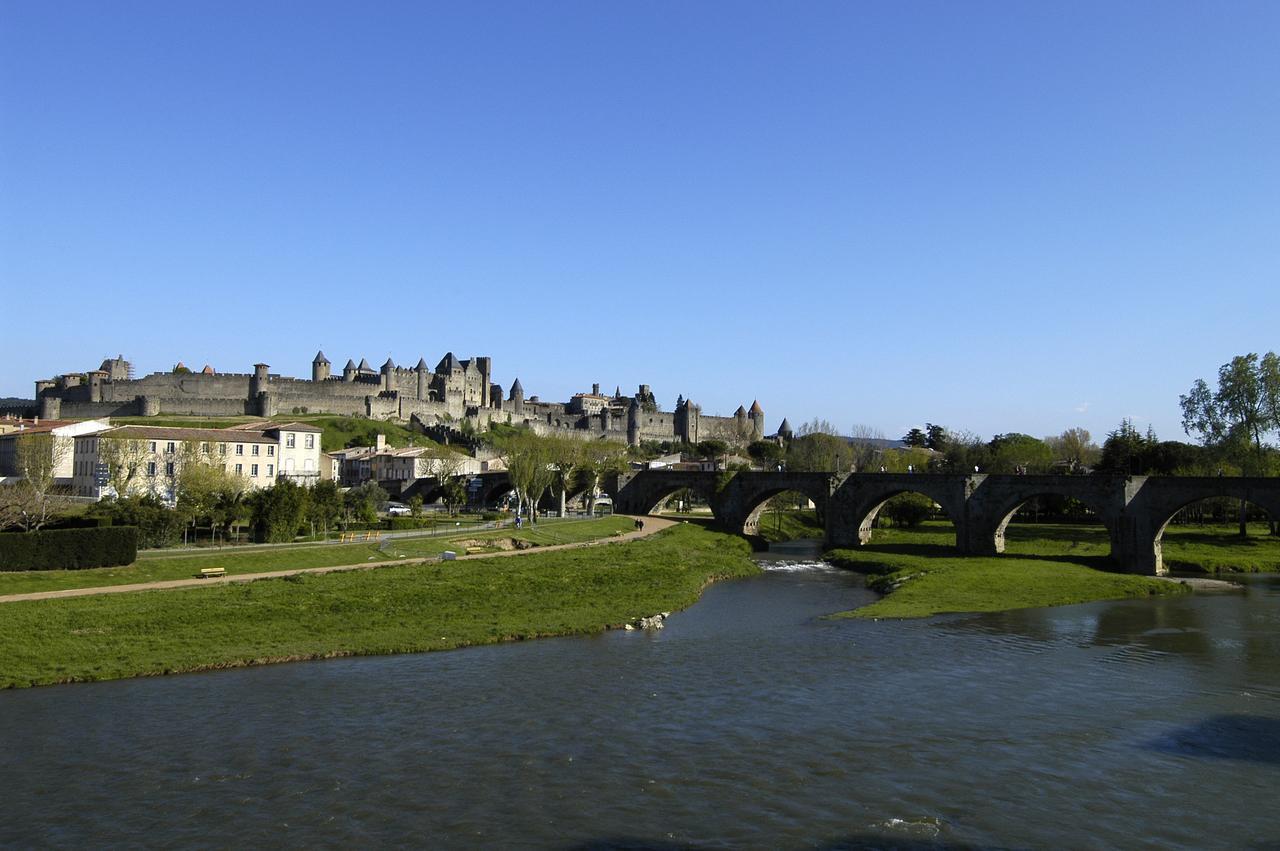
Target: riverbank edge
{"points": [[731, 560], [986, 584]]}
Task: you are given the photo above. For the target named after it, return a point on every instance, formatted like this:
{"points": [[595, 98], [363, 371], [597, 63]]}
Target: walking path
{"points": [[651, 526]]}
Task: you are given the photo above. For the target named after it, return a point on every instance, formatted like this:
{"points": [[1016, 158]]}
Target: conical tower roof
{"points": [[390, 364], [364, 365], [448, 363], [516, 388], [741, 412], [755, 408], [422, 364], [350, 364], [320, 358], [785, 428]]}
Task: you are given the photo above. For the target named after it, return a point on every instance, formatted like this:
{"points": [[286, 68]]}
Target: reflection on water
{"points": [[751, 721]]}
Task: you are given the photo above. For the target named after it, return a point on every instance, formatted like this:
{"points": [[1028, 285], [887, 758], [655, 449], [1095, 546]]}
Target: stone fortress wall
{"points": [[455, 391]]}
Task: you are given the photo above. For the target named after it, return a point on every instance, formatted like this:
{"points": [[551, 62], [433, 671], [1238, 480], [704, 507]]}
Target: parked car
{"points": [[397, 509]]}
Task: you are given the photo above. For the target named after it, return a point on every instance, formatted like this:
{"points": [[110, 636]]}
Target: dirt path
{"points": [[652, 525]]}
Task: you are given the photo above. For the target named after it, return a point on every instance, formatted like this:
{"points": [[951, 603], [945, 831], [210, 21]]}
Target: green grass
{"points": [[338, 430], [1045, 565], [409, 608], [793, 525], [157, 566]]}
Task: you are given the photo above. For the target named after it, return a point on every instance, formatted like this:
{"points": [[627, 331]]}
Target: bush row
{"points": [[68, 549]]}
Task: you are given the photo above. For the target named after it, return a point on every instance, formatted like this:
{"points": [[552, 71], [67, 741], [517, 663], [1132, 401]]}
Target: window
{"points": [[253, 470], [169, 448], [311, 441], [204, 447], [271, 470], [168, 469], [239, 448], [239, 469], [151, 468], [253, 450], [271, 450], [290, 440], [153, 446], [222, 449]]}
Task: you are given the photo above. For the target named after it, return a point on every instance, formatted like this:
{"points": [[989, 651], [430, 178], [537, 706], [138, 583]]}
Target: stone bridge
{"points": [[1134, 509]]}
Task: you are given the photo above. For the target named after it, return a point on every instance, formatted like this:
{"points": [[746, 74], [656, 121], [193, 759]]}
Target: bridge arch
{"points": [[1099, 510], [859, 499], [1271, 507]]}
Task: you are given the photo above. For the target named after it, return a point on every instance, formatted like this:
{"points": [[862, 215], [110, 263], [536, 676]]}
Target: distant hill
{"points": [[878, 442], [15, 402]]}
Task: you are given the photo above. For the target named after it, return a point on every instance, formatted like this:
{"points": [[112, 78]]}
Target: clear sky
{"points": [[1016, 216]]}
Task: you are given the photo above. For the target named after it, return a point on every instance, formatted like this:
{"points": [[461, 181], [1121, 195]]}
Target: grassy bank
{"points": [[778, 526], [157, 566], [405, 609], [338, 431], [921, 574]]}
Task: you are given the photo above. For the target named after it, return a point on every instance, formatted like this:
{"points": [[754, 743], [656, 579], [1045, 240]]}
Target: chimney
{"points": [[595, 389]]}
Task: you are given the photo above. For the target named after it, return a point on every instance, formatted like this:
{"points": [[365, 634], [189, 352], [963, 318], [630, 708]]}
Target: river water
{"points": [[749, 722]]}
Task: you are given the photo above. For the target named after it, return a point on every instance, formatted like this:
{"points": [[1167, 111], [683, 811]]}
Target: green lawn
{"points": [[408, 608], [777, 526], [156, 565], [338, 430]]}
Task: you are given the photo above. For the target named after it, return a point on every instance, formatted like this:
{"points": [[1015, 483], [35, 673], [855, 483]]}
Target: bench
{"points": [[212, 572]]}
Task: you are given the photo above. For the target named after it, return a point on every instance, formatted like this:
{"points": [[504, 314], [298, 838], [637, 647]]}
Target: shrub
{"points": [[68, 549], [909, 509]]}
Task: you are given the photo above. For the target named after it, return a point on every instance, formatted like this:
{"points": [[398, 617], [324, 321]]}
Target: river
{"points": [[749, 722]]}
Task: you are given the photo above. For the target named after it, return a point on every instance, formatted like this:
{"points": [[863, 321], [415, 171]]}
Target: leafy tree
{"points": [[279, 511], [158, 525], [1074, 446], [361, 503], [1240, 415], [125, 459], [1014, 451], [1126, 450], [326, 505], [908, 509], [916, 437], [713, 448], [819, 452], [935, 437], [33, 500], [530, 465], [766, 453], [601, 458]]}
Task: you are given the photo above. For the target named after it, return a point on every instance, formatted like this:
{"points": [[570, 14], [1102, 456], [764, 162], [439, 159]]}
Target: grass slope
{"points": [[776, 527], [155, 566], [412, 608], [338, 430]]}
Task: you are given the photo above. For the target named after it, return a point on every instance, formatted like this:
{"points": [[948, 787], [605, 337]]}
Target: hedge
{"points": [[69, 549]]}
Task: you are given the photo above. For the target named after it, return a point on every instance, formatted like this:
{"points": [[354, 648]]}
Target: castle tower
{"points": [[633, 423], [756, 416], [516, 397], [785, 431], [387, 369], [349, 371], [258, 384], [495, 396], [424, 379], [320, 367], [485, 365]]}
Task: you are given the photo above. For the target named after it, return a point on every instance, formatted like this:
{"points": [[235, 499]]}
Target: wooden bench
{"points": [[212, 572]]}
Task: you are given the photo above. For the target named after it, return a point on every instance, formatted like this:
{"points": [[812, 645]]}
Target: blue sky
{"points": [[995, 216]]}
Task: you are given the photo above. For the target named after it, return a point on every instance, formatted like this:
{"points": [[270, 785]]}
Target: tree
{"points": [[360, 504], [446, 466], [1125, 451], [1013, 452], [279, 511], [713, 448], [935, 437], [916, 437], [866, 443], [766, 453], [33, 500], [568, 458], [1074, 446], [326, 504], [819, 452], [1240, 415], [125, 459], [601, 458], [530, 466]]}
